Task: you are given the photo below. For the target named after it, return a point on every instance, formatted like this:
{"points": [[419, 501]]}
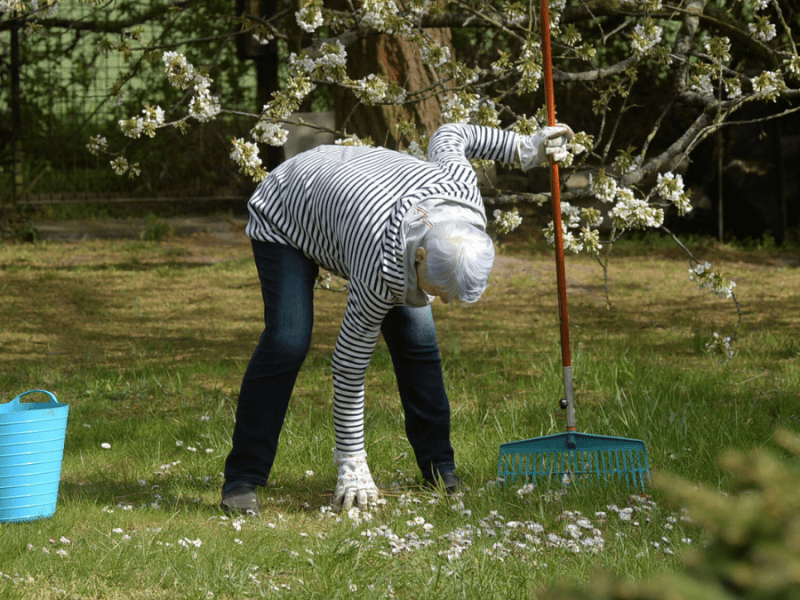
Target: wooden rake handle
{"points": [[555, 192]]}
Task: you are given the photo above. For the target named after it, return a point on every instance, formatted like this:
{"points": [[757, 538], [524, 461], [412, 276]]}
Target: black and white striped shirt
{"points": [[343, 207]]}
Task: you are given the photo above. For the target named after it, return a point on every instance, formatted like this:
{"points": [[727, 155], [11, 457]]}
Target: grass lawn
{"points": [[147, 343]]}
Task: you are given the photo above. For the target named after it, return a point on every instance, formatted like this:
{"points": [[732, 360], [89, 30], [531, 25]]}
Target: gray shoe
{"points": [[240, 500], [448, 480]]}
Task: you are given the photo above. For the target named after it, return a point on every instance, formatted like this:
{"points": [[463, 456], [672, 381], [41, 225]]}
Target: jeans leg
{"points": [[287, 287], [410, 335]]}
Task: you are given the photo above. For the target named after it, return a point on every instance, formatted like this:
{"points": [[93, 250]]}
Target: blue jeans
{"points": [[287, 287]]}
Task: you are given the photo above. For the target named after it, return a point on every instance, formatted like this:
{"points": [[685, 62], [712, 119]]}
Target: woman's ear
{"points": [[421, 254]]}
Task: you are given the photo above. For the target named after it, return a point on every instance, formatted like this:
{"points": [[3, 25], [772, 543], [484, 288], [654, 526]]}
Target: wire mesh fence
{"points": [[73, 84]]}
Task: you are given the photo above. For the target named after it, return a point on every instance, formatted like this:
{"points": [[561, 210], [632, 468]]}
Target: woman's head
{"points": [[455, 259]]}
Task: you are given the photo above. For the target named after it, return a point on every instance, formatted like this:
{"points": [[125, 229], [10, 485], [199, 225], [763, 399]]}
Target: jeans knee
{"points": [[285, 348]]}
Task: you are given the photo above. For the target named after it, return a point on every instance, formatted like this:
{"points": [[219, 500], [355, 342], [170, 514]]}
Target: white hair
{"points": [[459, 259]]}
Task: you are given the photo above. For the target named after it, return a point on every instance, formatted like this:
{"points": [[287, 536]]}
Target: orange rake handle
{"points": [[555, 192]]}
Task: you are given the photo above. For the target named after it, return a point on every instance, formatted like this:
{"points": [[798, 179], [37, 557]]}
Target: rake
{"points": [[570, 457]]}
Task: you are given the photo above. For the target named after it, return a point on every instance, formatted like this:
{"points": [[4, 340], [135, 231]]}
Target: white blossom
{"points": [[180, 72], [435, 54], [515, 13], [701, 84], [604, 187], [203, 106], [719, 48], [632, 213], [507, 221], [733, 87], [245, 154], [309, 18], [121, 166], [97, 144], [645, 36], [459, 108], [352, 140], [136, 126], [269, 133], [7, 6], [374, 90], [377, 14], [793, 65], [768, 84], [670, 187], [721, 347], [529, 66], [762, 29], [706, 278], [570, 241]]}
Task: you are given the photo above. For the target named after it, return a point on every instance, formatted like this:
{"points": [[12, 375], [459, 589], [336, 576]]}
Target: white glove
{"points": [[550, 141], [354, 485]]}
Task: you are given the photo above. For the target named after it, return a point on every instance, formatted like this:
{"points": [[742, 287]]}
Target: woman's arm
{"points": [[453, 144]]}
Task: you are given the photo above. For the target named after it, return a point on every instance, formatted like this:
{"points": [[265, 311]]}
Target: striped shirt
{"points": [[343, 207]]}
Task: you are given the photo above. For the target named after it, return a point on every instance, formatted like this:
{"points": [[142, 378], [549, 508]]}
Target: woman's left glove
{"points": [[547, 142], [354, 486]]}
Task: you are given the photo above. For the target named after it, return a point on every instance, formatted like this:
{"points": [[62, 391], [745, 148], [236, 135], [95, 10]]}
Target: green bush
{"points": [[753, 547]]}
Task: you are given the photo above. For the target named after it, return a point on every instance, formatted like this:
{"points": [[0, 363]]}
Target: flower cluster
{"points": [[121, 166], [7, 6], [529, 66], [288, 99], [329, 64], [459, 107], [434, 54], [670, 188], [153, 119], [603, 187], [269, 133], [633, 213], [706, 278], [375, 90], [719, 49], [180, 72], [182, 75], [309, 18], [762, 29], [203, 106], [515, 13], [354, 140], [415, 150], [645, 36], [508, 221], [245, 154], [793, 65], [97, 144], [626, 162], [721, 347], [381, 15], [768, 85]]}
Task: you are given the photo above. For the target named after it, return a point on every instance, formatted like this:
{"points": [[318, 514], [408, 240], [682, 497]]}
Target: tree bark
{"points": [[396, 59]]}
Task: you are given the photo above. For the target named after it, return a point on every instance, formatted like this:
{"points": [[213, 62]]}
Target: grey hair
{"points": [[459, 260]]}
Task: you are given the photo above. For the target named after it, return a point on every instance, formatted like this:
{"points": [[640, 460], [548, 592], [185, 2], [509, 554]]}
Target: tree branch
{"points": [[97, 27]]}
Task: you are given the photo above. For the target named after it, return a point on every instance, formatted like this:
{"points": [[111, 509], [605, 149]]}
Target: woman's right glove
{"points": [[354, 486], [534, 149]]}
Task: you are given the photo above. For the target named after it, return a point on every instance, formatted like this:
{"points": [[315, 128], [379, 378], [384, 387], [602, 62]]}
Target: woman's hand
{"points": [[552, 142], [354, 486]]}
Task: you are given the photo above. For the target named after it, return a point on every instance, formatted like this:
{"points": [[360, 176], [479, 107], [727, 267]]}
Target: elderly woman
{"points": [[402, 231]]}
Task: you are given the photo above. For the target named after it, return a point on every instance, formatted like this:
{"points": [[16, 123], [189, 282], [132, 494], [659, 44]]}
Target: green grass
{"points": [[147, 342]]}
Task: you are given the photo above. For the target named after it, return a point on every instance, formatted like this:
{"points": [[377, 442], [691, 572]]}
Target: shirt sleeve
{"points": [[453, 144], [355, 345]]}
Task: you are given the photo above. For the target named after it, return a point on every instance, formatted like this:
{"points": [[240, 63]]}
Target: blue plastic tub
{"points": [[31, 450]]}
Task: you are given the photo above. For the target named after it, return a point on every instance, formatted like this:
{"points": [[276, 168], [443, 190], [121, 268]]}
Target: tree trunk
{"points": [[396, 59]]}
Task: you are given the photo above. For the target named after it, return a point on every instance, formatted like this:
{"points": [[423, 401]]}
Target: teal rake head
{"points": [[574, 458]]}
